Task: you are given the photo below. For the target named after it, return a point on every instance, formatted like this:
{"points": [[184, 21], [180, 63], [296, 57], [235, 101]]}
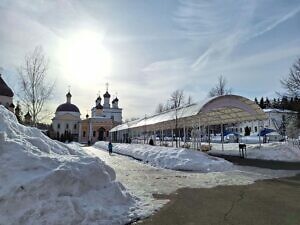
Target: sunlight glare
{"points": [[85, 58]]}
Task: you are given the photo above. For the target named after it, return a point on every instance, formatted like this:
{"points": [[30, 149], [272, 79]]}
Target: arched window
{"points": [[58, 126], [67, 126], [75, 126], [83, 134], [94, 133]]}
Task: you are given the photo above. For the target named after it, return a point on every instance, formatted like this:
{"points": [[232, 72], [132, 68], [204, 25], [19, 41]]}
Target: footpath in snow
{"points": [[46, 182], [170, 158], [277, 151]]}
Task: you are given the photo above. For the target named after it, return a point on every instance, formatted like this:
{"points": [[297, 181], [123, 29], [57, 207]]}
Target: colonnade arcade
{"points": [[191, 123]]}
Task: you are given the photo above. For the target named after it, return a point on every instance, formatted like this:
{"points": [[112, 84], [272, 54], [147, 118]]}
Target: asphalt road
{"points": [[268, 202]]}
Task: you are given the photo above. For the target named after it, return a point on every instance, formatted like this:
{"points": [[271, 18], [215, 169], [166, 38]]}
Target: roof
{"points": [[115, 100], [4, 89], [67, 107], [213, 111], [278, 111], [98, 99], [106, 95], [69, 94]]}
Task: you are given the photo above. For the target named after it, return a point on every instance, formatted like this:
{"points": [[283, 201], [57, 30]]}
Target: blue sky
{"points": [[154, 47]]}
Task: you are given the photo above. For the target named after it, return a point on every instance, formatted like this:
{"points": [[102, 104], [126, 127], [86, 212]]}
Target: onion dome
{"points": [[67, 107], [98, 99], [115, 100], [99, 106], [4, 89], [106, 95]]}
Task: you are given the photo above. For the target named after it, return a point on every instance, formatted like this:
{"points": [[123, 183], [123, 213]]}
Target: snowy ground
{"points": [[144, 180], [45, 182], [278, 151], [170, 158]]}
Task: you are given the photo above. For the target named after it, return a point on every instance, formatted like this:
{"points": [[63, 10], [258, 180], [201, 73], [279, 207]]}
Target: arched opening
{"points": [[101, 132]]}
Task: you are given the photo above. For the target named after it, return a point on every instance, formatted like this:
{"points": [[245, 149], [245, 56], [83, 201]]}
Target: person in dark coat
{"points": [[110, 146], [151, 142]]}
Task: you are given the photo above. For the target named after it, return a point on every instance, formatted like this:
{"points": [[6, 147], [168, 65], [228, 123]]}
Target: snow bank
{"points": [[46, 182], [278, 151], [170, 158]]}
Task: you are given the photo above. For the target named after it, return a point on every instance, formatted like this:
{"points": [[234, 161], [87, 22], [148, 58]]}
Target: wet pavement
{"points": [[144, 181]]}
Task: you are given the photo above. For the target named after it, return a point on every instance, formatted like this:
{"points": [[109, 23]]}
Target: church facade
{"points": [[67, 124]]}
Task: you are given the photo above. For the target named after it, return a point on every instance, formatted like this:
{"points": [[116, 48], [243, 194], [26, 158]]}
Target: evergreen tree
{"points": [[274, 104], [262, 103], [267, 103], [284, 103], [255, 100]]}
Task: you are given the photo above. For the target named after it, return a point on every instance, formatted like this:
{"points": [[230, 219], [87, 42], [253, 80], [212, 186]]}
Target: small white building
{"points": [[277, 120]]}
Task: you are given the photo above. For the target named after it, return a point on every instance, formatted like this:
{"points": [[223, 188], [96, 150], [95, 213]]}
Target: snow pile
{"points": [[278, 151], [45, 182], [170, 158]]}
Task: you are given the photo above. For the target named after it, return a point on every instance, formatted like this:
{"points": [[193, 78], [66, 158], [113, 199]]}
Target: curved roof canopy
{"points": [[217, 110]]}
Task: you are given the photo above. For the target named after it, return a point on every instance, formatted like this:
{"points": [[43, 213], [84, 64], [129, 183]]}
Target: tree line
{"points": [[284, 103]]}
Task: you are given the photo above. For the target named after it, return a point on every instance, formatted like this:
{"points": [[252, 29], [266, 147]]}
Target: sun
{"points": [[84, 56]]}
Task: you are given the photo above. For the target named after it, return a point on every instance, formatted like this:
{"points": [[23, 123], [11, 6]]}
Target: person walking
{"points": [[110, 146]]}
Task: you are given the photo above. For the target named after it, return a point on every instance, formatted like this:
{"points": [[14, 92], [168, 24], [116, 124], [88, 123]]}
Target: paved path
{"points": [[268, 202], [144, 181]]}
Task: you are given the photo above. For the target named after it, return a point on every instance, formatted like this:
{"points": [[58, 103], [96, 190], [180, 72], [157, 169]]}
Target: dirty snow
{"points": [[46, 182], [170, 158]]}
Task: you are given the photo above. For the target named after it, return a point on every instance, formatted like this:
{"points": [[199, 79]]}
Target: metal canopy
{"points": [[214, 111]]}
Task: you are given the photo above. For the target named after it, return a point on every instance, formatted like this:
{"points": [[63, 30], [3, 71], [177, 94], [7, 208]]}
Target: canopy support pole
{"points": [[222, 136]]}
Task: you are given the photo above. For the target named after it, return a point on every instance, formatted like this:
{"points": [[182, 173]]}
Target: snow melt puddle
{"points": [[143, 180]]}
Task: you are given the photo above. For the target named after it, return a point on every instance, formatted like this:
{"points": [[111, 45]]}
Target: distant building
{"points": [[6, 95], [276, 120], [67, 124], [104, 118]]}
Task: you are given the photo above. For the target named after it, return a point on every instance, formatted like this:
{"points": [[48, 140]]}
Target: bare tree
{"points": [[292, 82], [177, 99], [220, 88], [34, 86]]}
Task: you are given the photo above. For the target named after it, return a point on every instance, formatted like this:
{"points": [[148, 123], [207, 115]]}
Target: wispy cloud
{"points": [[223, 27]]}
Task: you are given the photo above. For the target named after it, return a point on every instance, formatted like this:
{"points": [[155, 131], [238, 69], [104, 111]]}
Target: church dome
{"points": [[106, 95], [4, 89], [67, 107], [115, 100], [98, 99]]}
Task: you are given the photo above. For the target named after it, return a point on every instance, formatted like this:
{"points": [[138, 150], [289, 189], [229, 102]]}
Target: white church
{"points": [[68, 125]]}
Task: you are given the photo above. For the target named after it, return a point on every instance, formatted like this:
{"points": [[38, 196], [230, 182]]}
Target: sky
{"points": [[147, 49]]}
